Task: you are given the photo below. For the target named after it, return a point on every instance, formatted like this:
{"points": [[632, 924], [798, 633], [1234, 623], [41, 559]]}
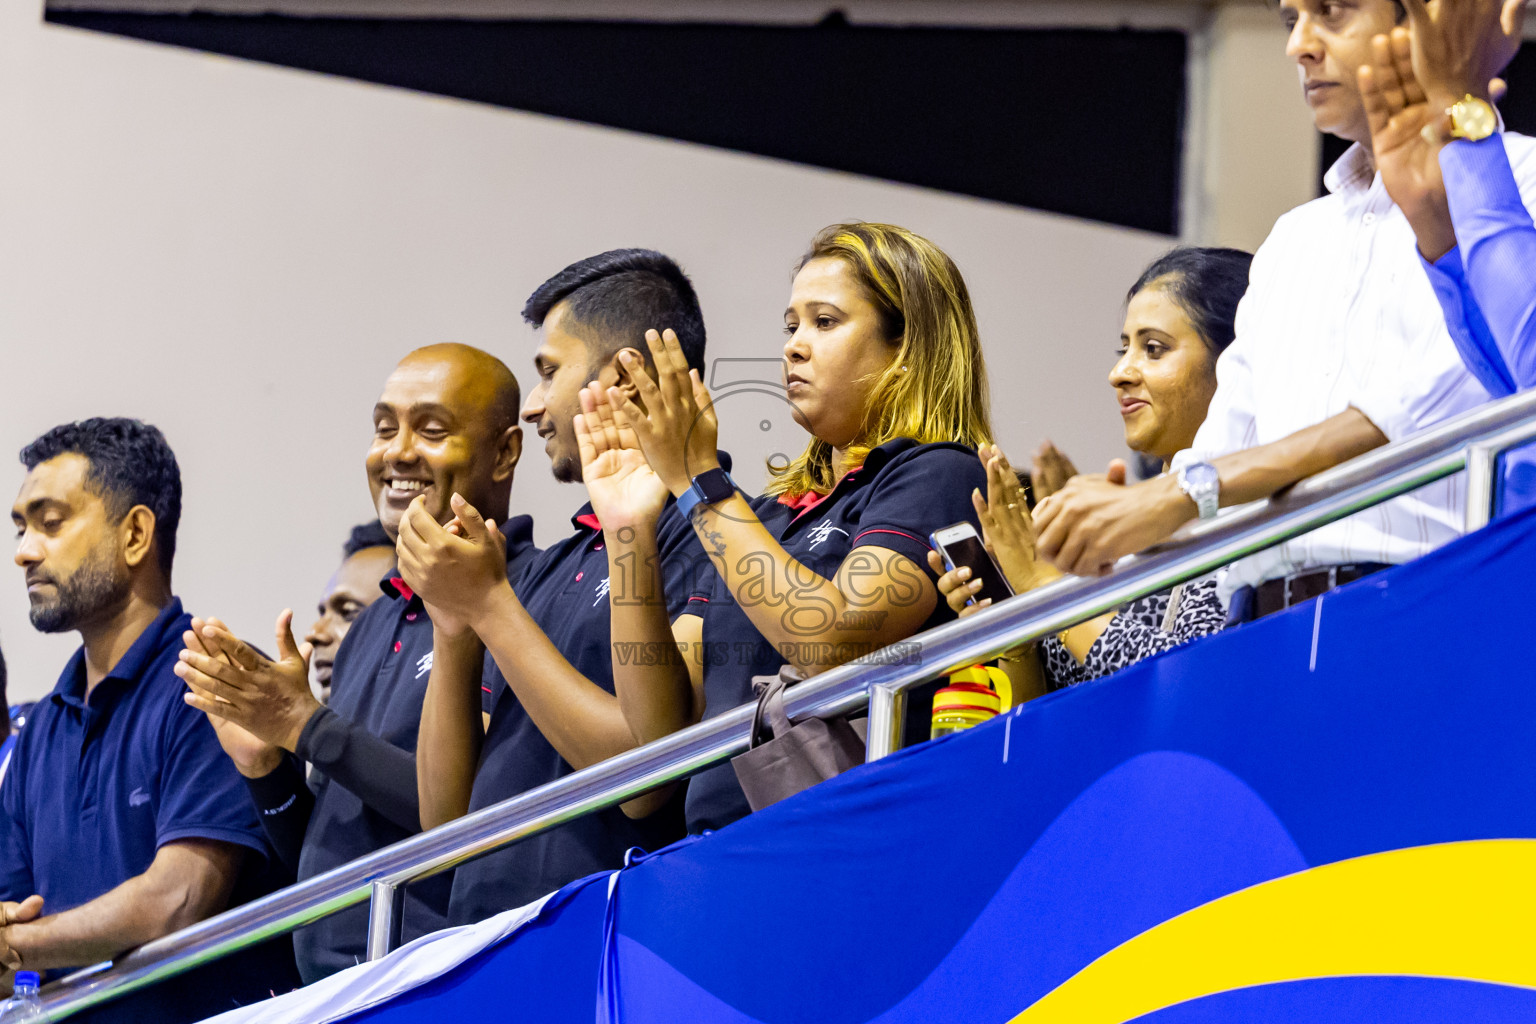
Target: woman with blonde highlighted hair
{"points": [[883, 366]]}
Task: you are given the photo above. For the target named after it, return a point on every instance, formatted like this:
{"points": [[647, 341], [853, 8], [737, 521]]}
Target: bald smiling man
{"points": [[446, 423]]}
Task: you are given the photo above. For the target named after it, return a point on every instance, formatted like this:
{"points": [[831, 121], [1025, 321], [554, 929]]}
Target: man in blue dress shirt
{"points": [[122, 819], [1466, 186]]}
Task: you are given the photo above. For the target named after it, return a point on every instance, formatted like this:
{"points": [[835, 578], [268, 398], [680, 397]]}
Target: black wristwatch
{"points": [[710, 486]]}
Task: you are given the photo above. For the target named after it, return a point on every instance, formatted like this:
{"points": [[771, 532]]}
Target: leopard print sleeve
{"points": [[1137, 632]]}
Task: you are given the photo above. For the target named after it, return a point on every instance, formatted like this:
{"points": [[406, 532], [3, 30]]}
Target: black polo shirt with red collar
{"points": [[565, 591], [362, 755], [903, 492]]}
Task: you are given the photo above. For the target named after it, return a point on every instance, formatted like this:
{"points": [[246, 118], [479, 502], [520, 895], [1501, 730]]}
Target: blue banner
{"points": [[1328, 815]]}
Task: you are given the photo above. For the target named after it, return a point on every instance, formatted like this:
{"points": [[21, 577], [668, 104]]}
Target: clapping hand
{"points": [[253, 756], [1051, 470], [1006, 526], [453, 568], [1405, 143], [677, 429], [228, 679], [1096, 519], [1007, 534], [1459, 47], [623, 488]]}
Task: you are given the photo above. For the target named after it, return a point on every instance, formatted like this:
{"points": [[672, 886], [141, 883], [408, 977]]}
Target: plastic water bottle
{"points": [[974, 695], [25, 1004]]}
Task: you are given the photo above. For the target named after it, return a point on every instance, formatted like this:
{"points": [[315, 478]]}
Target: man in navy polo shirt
{"points": [[367, 557], [445, 424], [122, 821], [552, 707], [7, 734]]}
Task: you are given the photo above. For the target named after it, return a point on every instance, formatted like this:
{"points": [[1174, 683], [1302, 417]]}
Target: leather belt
{"points": [[1277, 595]]}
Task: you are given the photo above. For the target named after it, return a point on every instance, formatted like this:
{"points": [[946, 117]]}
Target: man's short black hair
{"points": [[130, 464], [619, 295], [368, 535]]}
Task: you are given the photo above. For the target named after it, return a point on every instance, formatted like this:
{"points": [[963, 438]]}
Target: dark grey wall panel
{"points": [[1080, 122]]}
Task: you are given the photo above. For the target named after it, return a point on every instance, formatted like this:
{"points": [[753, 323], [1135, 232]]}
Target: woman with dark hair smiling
{"points": [[1179, 317]]}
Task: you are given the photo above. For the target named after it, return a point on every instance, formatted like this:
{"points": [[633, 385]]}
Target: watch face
{"points": [[1474, 119], [1201, 474], [714, 485]]}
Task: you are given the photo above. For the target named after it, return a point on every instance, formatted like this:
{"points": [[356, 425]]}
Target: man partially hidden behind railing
{"points": [[122, 819]]}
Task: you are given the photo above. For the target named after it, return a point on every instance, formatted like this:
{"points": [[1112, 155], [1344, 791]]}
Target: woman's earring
{"points": [[903, 369]]}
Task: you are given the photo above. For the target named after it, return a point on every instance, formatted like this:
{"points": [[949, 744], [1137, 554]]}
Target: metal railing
{"points": [[1472, 442]]}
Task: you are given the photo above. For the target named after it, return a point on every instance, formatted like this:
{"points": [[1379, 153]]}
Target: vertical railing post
{"points": [[887, 716], [1482, 483], [386, 914]]}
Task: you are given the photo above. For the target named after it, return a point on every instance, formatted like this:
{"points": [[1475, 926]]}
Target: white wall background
{"points": [[239, 254]]}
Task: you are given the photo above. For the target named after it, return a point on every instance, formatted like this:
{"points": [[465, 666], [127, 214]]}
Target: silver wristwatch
{"points": [[1202, 484]]}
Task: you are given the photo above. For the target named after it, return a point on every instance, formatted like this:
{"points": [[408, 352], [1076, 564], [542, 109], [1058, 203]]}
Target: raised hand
{"points": [[1405, 141], [623, 488], [1006, 527], [677, 429], [253, 756], [1050, 471], [1459, 47], [226, 678], [454, 568]]}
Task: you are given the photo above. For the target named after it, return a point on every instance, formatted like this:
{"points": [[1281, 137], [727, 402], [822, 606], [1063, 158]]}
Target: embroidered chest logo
{"points": [[423, 664], [602, 592], [821, 531], [138, 798]]}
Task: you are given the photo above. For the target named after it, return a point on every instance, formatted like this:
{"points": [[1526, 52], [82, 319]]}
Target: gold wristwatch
{"points": [[1472, 119]]}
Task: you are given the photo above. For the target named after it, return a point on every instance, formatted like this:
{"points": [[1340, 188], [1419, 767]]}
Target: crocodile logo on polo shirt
{"points": [[602, 592], [821, 531], [138, 797]]}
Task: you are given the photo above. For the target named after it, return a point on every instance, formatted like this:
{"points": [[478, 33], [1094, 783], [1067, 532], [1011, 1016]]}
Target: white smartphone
{"points": [[960, 545]]}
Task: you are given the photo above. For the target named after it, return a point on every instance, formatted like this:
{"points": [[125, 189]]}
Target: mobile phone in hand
{"points": [[960, 545]]}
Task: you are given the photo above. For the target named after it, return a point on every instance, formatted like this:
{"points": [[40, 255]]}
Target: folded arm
{"points": [[1092, 522], [189, 880]]}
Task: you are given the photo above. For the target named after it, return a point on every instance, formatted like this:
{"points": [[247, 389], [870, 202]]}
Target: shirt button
{"points": [[1370, 218], [579, 576], [410, 616], [597, 547], [397, 646]]}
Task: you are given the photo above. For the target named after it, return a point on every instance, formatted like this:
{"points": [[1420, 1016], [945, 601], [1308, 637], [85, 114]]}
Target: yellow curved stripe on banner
{"points": [[1458, 910]]}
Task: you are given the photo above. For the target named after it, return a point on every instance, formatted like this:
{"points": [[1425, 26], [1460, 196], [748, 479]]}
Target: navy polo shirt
{"points": [[378, 684], [565, 591], [98, 785], [903, 492]]}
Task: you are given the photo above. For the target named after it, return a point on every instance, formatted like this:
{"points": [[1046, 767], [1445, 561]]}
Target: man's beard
{"points": [[567, 469], [93, 587]]}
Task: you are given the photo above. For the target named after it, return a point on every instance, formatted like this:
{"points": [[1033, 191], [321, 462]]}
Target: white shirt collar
{"points": [[1353, 171]]}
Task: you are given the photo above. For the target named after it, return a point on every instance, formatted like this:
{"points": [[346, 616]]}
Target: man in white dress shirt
{"points": [[1341, 347]]}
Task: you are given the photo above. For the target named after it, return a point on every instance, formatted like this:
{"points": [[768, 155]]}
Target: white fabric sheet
{"points": [[379, 981]]}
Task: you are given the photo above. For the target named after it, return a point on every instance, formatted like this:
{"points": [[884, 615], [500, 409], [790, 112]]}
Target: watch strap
{"points": [[710, 486], [1206, 494]]}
